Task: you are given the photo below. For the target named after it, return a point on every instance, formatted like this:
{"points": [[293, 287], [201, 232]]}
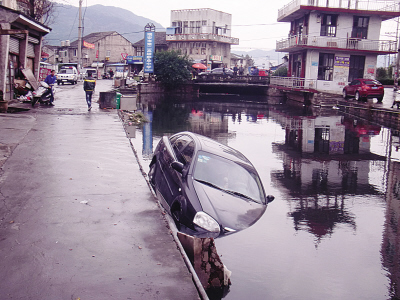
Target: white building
{"points": [[332, 42], [203, 34]]}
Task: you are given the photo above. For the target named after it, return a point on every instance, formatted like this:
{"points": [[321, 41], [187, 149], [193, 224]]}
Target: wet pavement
{"points": [[77, 218]]}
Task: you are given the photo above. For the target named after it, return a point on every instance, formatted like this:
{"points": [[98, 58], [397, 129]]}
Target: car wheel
{"points": [[62, 83], [357, 96], [178, 208], [345, 94]]}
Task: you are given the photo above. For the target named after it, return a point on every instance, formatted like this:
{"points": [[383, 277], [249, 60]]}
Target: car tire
{"points": [[357, 96], [178, 208], [344, 93]]}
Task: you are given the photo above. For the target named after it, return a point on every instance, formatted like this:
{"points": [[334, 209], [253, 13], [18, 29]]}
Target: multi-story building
{"points": [[203, 34], [103, 47], [331, 42]]}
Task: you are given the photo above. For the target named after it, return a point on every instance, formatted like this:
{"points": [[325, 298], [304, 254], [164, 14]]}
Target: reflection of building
{"points": [[327, 134], [211, 124], [391, 236], [318, 184], [203, 34]]}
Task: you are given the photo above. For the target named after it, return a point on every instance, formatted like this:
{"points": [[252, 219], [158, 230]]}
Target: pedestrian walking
{"points": [[88, 86], [51, 80]]}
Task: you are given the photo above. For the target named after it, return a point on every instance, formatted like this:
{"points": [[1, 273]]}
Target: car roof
{"points": [[209, 145]]}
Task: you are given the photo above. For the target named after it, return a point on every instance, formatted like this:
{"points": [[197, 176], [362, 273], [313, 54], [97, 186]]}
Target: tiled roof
{"points": [[93, 37], [160, 39]]}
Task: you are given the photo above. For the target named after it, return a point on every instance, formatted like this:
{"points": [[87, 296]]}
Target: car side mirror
{"points": [[177, 166], [270, 198]]}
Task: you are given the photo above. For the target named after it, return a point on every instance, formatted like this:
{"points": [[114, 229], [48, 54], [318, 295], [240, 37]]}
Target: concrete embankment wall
{"points": [[157, 88]]}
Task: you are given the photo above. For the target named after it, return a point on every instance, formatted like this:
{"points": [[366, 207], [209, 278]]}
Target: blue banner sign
{"points": [[149, 46], [134, 59]]}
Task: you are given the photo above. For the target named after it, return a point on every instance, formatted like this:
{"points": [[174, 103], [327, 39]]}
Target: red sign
{"points": [[124, 55], [97, 54], [88, 45]]}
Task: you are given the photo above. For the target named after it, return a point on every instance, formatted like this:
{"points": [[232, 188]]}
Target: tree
{"points": [[40, 10], [171, 68], [282, 72], [381, 73]]}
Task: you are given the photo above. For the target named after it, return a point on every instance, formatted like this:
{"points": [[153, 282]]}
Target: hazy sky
{"points": [[253, 22]]}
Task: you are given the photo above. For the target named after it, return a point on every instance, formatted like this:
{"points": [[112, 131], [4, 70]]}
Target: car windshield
{"points": [[230, 176], [66, 71], [371, 82]]}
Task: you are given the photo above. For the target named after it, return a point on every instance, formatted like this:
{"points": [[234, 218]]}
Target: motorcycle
{"points": [[42, 94]]}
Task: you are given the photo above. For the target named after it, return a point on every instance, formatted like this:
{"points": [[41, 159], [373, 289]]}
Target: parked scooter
{"points": [[42, 94]]}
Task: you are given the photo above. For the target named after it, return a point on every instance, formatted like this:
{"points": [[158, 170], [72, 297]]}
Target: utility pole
{"points": [[80, 37]]}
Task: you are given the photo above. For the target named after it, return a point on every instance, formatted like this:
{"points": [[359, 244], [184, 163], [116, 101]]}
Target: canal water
{"points": [[333, 230]]}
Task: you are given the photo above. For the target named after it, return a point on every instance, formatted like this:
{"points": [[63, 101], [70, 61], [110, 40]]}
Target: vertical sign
{"points": [[149, 46]]}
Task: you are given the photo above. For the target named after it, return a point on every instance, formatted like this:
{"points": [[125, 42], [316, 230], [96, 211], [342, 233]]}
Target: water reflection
{"points": [[340, 185], [391, 236]]}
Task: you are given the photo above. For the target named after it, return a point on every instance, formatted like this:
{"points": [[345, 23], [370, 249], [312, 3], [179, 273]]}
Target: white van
{"points": [[67, 74]]}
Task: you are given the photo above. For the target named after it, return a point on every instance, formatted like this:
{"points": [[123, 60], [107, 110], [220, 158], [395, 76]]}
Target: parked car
{"points": [[67, 74], [218, 71], [208, 188], [364, 88], [93, 71]]}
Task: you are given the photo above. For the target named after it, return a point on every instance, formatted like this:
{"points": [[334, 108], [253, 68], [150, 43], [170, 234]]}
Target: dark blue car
{"points": [[208, 188]]}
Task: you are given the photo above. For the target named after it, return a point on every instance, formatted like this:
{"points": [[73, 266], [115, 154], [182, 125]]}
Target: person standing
{"points": [[241, 70], [88, 86], [235, 70], [51, 80]]}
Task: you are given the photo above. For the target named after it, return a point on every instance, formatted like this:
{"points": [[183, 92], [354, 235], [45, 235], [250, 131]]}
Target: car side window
{"points": [[179, 144], [188, 152]]}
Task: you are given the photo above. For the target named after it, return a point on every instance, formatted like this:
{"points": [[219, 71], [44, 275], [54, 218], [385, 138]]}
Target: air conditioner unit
{"points": [[86, 56], [56, 56]]}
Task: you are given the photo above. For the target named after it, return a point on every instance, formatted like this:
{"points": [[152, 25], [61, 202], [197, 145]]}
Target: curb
{"points": [[169, 221]]}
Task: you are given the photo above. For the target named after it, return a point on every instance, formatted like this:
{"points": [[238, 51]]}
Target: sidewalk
{"points": [[77, 218]]}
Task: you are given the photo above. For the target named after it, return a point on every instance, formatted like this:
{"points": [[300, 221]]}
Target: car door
{"points": [[163, 174], [354, 86]]}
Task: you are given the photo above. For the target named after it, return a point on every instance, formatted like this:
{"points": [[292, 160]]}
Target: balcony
{"points": [[202, 37], [294, 83], [386, 9], [296, 42]]}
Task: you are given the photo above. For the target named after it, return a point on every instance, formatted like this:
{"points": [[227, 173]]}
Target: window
{"points": [[185, 27], [204, 22], [325, 67], [328, 25], [185, 145], [191, 26], [360, 27], [108, 53], [198, 26], [75, 52], [178, 26]]}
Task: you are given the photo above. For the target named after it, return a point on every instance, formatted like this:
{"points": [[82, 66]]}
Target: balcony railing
{"points": [[389, 5], [202, 37], [294, 82], [337, 43]]}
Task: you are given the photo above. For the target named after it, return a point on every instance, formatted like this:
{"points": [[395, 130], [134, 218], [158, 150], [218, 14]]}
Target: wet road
{"points": [[77, 219], [332, 231]]}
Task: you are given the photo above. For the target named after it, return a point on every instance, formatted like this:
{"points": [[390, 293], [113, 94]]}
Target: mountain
{"points": [[96, 18]]}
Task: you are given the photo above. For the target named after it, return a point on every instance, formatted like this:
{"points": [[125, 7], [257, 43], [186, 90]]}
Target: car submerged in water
{"points": [[208, 188]]}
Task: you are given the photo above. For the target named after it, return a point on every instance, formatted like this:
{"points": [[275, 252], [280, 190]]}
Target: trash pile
{"points": [[136, 118]]}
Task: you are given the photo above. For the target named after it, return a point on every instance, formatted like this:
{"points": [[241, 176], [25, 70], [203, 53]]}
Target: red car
{"points": [[363, 89]]}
